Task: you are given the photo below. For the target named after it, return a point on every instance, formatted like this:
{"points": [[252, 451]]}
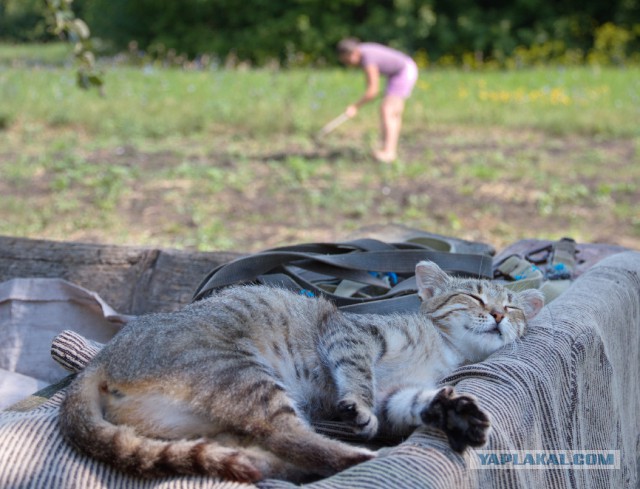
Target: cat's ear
{"points": [[532, 301], [430, 278]]}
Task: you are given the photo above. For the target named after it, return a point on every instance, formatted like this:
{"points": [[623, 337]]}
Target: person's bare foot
{"points": [[384, 156]]}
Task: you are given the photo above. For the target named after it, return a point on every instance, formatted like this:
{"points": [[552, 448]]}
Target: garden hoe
{"points": [[331, 126]]}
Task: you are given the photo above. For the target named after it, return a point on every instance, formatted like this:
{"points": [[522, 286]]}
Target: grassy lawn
{"points": [[225, 159], [54, 54], [155, 102]]}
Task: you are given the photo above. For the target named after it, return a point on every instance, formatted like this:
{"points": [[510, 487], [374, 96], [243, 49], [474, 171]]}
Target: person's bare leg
{"points": [[391, 110]]}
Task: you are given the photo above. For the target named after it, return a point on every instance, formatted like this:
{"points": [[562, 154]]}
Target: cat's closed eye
{"points": [[477, 299]]}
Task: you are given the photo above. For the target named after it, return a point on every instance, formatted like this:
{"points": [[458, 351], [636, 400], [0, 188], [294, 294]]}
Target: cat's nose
{"points": [[497, 315]]}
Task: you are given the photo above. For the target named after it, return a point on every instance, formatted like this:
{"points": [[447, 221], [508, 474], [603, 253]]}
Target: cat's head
{"points": [[479, 316]]}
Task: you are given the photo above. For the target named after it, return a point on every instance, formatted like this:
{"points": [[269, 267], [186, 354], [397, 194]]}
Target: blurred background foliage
{"points": [[473, 33]]}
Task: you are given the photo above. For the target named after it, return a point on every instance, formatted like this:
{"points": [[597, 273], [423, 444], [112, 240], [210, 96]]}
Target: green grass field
{"points": [[152, 102], [54, 54], [224, 159]]}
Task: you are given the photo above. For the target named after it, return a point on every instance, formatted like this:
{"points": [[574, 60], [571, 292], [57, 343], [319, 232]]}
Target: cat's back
{"points": [[253, 319]]}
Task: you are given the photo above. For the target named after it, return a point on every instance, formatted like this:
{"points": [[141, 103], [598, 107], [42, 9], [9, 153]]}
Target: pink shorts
{"points": [[401, 84]]}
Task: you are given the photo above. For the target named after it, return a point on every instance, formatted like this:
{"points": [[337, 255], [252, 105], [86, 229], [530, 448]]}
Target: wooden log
{"points": [[133, 280]]}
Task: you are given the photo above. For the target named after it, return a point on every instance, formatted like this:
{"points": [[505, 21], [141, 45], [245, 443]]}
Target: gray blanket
{"points": [[572, 384]]}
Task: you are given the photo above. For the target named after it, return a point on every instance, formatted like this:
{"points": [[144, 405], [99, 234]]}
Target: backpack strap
{"points": [[394, 305], [310, 267]]}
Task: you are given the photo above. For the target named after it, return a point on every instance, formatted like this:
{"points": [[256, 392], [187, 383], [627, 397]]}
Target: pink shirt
{"points": [[388, 60]]}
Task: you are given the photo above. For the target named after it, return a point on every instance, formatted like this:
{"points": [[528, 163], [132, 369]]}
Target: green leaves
{"points": [[305, 32], [64, 22]]}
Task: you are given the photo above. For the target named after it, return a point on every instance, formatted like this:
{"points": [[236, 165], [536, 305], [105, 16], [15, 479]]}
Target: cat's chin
{"points": [[494, 341], [491, 342], [494, 331], [482, 344], [496, 338]]}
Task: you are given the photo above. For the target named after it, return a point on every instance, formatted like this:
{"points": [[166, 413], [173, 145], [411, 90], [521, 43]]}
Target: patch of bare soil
{"points": [[493, 185]]}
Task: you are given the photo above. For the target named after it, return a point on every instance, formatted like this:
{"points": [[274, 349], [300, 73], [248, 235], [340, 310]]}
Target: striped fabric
{"points": [[73, 351], [33, 455], [571, 384]]}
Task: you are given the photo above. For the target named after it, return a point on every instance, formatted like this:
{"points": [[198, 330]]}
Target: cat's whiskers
{"points": [[467, 331]]}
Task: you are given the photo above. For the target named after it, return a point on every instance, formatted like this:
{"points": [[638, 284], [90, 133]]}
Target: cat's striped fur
{"points": [[228, 386]]}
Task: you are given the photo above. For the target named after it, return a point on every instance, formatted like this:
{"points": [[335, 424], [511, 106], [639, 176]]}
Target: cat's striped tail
{"points": [[83, 425]]}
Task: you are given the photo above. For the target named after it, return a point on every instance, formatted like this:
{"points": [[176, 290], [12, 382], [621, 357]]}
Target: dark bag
{"points": [[364, 275]]}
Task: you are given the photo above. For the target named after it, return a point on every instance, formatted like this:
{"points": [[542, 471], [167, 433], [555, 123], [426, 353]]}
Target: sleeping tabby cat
{"points": [[228, 386]]}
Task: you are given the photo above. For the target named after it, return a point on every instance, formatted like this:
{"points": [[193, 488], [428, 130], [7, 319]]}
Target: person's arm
{"points": [[373, 87]]}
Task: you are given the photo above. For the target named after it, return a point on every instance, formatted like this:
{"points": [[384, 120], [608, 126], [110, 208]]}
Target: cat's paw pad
{"points": [[460, 417], [363, 421]]}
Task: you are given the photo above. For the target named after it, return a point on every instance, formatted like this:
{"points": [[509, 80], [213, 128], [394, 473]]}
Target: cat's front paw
{"points": [[360, 417], [459, 416]]}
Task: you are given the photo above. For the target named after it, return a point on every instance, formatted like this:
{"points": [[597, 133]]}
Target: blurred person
{"points": [[401, 73]]}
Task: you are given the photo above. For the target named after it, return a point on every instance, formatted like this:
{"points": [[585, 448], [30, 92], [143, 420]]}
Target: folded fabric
{"points": [[15, 386], [32, 312]]}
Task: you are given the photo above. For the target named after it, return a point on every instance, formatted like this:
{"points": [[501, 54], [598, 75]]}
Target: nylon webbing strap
{"points": [[405, 303], [309, 267]]}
